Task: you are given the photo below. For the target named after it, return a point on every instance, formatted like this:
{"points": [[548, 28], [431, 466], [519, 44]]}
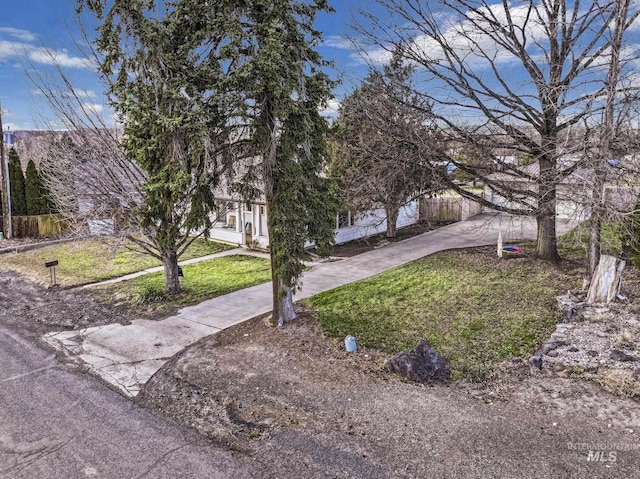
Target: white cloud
{"points": [[23, 35], [337, 41], [84, 93], [9, 50], [332, 108], [16, 50], [45, 56], [93, 108]]}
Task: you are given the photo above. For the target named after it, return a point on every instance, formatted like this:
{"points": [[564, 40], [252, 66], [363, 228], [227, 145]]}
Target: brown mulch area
{"points": [[363, 245]]}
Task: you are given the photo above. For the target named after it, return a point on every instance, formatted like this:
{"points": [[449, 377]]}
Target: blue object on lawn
{"points": [[350, 344]]}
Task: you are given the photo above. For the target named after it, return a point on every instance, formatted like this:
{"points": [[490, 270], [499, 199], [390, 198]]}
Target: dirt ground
{"points": [[301, 407]]}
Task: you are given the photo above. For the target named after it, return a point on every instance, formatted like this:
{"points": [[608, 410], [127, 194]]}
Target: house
{"points": [[99, 182], [246, 224], [516, 188]]}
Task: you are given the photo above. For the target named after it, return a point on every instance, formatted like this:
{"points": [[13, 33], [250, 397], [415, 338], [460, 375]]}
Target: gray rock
{"points": [[548, 347], [422, 364], [553, 353], [618, 355], [535, 363], [568, 313], [593, 353], [559, 338], [573, 349], [477, 393]]}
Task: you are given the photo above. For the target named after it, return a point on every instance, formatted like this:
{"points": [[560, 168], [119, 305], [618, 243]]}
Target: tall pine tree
{"points": [[37, 203], [17, 190], [285, 88]]}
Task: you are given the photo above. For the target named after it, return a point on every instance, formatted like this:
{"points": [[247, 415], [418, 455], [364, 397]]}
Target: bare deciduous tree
{"points": [[515, 77]]}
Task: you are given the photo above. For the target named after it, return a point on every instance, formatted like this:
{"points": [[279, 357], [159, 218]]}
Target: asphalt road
{"points": [[58, 423]]}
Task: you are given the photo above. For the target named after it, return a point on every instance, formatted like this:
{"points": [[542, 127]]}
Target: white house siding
{"points": [[375, 222], [566, 208], [255, 220]]}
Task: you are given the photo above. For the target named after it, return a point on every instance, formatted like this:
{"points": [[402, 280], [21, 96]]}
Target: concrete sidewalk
{"points": [[127, 356]]}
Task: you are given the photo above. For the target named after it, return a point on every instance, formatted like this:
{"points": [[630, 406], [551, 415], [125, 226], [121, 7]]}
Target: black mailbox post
{"points": [[52, 269]]}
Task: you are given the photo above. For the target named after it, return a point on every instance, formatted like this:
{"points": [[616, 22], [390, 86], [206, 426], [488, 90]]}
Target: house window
{"points": [[248, 207], [345, 219]]}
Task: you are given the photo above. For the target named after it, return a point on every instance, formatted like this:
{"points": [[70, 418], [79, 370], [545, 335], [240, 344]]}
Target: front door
{"points": [[248, 233]]}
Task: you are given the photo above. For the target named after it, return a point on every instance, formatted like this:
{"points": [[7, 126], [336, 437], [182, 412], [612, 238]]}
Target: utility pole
{"points": [[6, 186]]}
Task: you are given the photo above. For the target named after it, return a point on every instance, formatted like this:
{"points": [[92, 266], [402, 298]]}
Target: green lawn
{"points": [[471, 307], [87, 261], [201, 281]]}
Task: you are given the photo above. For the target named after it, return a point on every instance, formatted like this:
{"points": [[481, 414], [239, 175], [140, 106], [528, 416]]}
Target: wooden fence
{"points": [[448, 208], [42, 226]]}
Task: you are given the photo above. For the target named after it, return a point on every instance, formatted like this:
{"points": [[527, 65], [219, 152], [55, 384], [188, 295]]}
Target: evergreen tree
{"points": [[17, 190], [376, 167], [166, 77], [285, 89], [37, 203]]}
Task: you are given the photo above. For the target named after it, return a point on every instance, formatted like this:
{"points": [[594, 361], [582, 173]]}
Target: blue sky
{"points": [[30, 28], [31, 31]]}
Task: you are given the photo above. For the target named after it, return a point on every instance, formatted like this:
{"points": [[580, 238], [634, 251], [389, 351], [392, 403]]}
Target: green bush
{"points": [[150, 293]]}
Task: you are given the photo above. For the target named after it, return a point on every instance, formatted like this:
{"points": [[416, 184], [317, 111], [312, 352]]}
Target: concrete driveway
{"points": [[126, 356]]}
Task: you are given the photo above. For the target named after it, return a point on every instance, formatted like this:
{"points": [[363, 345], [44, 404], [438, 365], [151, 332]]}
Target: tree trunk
{"points": [[547, 243], [171, 278], [283, 311], [547, 247], [392, 213], [595, 228]]}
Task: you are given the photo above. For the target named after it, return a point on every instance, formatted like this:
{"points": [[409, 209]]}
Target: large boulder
{"points": [[422, 364]]}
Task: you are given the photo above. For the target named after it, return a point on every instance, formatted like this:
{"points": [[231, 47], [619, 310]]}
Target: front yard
{"points": [[88, 261], [473, 308], [201, 281]]}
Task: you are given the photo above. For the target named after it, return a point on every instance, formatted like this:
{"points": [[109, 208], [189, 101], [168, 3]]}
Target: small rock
{"points": [[553, 353], [548, 347], [565, 326], [559, 339], [535, 363], [573, 349], [592, 369], [618, 355], [593, 353], [568, 313], [477, 393]]}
